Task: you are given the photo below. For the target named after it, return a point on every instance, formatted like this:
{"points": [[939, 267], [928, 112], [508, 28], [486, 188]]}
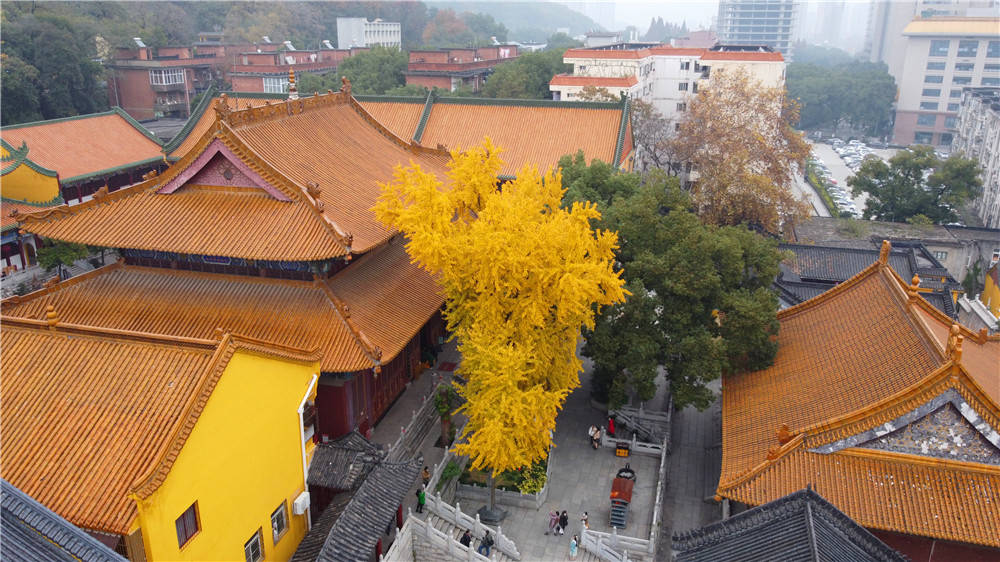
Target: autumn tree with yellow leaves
{"points": [[521, 275], [738, 134]]}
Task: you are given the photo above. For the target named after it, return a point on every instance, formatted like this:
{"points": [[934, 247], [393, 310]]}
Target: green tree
{"points": [[916, 182], [858, 94], [526, 77], [446, 29], [20, 91], [699, 305], [829, 57], [484, 28], [61, 254], [375, 71], [407, 90], [561, 42]]}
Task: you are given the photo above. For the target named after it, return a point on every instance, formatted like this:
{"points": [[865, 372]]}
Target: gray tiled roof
{"points": [[32, 532], [355, 533], [826, 263], [801, 526], [344, 463], [311, 545]]}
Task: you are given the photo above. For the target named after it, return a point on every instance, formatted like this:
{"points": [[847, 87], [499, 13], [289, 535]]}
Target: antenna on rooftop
{"points": [[138, 41]]}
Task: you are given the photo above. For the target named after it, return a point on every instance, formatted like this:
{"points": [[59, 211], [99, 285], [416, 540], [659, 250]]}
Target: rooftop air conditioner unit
{"points": [[301, 503]]}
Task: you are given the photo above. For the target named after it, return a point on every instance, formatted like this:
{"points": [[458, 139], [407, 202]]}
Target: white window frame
{"points": [[248, 553], [275, 84], [279, 515], [166, 76]]}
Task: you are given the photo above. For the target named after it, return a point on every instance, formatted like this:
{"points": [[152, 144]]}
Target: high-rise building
{"points": [[978, 136], [759, 22], [359, 32]]}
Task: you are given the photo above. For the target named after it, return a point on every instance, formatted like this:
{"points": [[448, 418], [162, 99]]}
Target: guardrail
{"points": [[411, 436], [402, 547], [453, 514]]}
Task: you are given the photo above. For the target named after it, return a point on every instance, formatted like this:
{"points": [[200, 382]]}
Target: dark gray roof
{"points": [[311, 545], [344, 463], [830, 264], [801, 526], [355, 533], [32, 532]]}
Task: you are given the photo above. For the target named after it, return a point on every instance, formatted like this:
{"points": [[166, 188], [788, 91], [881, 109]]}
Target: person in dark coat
{"points": [[466, 539], [563, 523]]}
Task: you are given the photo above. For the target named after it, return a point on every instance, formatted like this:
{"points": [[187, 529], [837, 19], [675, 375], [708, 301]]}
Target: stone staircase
{"points": [[455, 532]]}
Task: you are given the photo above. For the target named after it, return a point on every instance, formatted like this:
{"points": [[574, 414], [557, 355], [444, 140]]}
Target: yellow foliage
{"points": [[521, 275]]}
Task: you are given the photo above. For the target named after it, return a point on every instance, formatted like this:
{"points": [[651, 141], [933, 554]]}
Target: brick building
{"points": [[450, 69]]}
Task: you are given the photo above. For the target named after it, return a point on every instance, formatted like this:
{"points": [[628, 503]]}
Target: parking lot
{"points": [[836, 167]]}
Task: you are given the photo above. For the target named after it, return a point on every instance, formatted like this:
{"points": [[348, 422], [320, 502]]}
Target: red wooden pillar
{"points": [[378, 549], [399, 517]]}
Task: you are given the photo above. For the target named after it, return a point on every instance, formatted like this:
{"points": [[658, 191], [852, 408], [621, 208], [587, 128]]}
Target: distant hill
{"points": [[527, 21]]}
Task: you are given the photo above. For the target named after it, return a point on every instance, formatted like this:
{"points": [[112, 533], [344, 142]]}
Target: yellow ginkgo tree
{"points": [[521, 275]]}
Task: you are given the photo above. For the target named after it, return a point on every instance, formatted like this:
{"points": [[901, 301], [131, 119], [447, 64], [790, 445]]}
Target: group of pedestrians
{"points": [[559, 522], [484, 546]]}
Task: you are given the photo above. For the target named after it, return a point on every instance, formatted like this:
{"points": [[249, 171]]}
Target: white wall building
{"points": [[978, 136], [359, 32], [661, 75], [942, 56], [759, 22]]}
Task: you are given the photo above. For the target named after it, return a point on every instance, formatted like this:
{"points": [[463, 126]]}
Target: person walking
{"points": [[574, 544], [421, 499], [596, 439], [553, 522], [563, 523], [611, 426], [466, 539], [585, 520], [426, 475], [486, 544]]}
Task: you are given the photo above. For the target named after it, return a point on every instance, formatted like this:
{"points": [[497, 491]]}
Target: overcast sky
{"points": [[697, 14]]}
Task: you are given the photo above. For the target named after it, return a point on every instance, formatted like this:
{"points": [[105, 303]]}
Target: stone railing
{"points": [[449, 456], [453, 514], [506, 497], [611, 547], [636, 446], [421, 423], [440, 543], [650, 425]]}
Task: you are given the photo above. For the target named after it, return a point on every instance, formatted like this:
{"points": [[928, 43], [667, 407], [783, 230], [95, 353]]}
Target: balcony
{"points": [[178, 87], [169, 106]]}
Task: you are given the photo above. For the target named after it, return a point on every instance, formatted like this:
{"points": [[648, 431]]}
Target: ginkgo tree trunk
{"points": [[521, 275]]}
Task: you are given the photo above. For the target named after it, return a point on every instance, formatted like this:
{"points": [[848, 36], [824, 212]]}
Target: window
{"points": [[677, 126], [939, 47], [991, 81], [993, 50], [926, 120], [923, 138], [279, 522], [166, 76], [968, 48], [694, 87], [252, 550], [952, 107], [935, 65], [931, 92], [187, 525], [964, 66], [996, 256], [933, 79], [683, 86], [950, 122], [929, 105], [682, 107], [991, 67], [685, 65], [940, 255], [945, 139], [955, 94], [961, 80], [275, 85]]}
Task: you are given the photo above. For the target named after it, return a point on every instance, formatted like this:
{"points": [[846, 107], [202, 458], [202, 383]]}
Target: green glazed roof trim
{"points": [[530, 102], [138, 126], [622, 127], [397, 99], [57, 200], [19, 156], [107, 171], [422, 124]]}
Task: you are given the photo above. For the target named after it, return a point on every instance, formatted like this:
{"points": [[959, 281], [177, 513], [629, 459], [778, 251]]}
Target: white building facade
{"points": [[759, 22], [359, 32], [942, 56], [978, 136]]}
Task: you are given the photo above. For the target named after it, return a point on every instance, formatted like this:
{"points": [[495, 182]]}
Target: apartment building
{"points": [[773, 23], [267, 72], [359, 32], [450, 69], [661, 75], [942, 56], [978, 136]]}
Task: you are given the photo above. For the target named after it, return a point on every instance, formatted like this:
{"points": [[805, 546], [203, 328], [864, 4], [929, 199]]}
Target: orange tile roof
{"points": [[677, 51], [8, 206], [78, 146], [400, 117], [89, 415], [289, 145], [235, 100], [852, 359], [388, 300], [598, 81], [742, 56]]}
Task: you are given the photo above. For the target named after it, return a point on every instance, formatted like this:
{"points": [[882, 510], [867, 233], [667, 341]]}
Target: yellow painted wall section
{"points": [[991, 292], [25, 184], [241, 462]]}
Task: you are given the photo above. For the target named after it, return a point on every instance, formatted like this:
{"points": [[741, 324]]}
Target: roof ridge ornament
{"points": [[914, 288], [51, 317], [221, 107], [883, 254], [954, 349], [345, 85], [293, 92], [784, 434]]}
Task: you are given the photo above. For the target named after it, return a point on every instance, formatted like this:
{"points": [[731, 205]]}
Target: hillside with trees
{"points": [[526, 21]]}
